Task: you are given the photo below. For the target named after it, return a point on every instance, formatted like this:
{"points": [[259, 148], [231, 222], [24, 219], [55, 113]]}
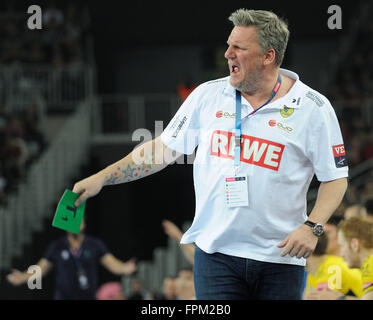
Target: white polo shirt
{"points": [[282, 146]]}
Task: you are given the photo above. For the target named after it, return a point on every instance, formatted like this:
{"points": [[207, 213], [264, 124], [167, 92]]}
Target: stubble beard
{"points": [[251, 83]]}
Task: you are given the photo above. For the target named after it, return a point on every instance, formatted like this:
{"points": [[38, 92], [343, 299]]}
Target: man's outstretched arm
{"points": [[17, 277], [118, 267], [143, 161]]}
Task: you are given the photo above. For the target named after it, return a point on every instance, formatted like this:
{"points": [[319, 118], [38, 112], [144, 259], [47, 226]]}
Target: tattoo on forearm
{"points": [[130, 172]]}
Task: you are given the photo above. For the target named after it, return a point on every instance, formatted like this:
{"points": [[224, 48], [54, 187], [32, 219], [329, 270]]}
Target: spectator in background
{"points": [[137, 291], [355, 237], [168, 290], [367, 191], [73, 24], [37, 53], [355, 210], [76, 258], [33, 134], [367, 152], [14, 153], [3, 184], [53, 15], [331, 232], [329, 271], [110, 291], [369, 208], [185, 89], [185, 285], [14, 128], [351, 196], [174, 232], [58, 46]]}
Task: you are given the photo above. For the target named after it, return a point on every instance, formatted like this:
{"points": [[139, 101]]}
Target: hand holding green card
{"points": [[68, 217]]}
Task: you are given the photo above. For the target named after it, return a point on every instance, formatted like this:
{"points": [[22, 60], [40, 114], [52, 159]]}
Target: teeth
{"points": [[235, 68]]}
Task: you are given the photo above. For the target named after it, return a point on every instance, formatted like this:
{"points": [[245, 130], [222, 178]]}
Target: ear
{"points": [[355, 245], [269, 57]]}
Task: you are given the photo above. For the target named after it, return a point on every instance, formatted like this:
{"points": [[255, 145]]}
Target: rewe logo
{"points": [[260, 152], [339, 150]]}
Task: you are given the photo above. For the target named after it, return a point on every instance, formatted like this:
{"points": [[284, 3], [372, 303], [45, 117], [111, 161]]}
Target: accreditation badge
{"points": [[83, 280], [236, 191]]}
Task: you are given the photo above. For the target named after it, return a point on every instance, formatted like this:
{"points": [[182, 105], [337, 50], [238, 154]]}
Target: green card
{"points": [[68, 217]]}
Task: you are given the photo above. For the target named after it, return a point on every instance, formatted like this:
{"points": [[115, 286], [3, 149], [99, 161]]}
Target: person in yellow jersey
{"points": [[327, 271], [355, 237]]}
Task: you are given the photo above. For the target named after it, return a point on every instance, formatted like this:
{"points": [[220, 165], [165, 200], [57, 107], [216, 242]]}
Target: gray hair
{"points": [[272, 31]]}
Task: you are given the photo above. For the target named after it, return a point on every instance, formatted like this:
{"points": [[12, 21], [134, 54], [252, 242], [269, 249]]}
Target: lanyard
{"points": [[237, 139], [75, 254]]}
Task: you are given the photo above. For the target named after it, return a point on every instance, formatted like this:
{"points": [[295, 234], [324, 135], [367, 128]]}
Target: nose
{"points": [[229, 54]]}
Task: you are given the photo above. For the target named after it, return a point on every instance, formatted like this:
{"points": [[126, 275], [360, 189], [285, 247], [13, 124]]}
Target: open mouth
{"points": [[234, 69]]}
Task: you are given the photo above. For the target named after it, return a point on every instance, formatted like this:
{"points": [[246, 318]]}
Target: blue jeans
{"points": [[219, 276]]}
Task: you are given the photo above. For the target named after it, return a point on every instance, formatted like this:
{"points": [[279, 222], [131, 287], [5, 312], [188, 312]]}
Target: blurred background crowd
{"points": [[59, 47], [45, 75]]}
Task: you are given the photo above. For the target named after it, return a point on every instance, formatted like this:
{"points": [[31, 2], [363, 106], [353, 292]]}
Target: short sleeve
{"points": [[101, 248], [51, 252], [182, 133], [325, 144]]}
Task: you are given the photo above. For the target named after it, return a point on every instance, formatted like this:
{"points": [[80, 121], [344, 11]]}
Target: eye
{"points": [[234, 46]]}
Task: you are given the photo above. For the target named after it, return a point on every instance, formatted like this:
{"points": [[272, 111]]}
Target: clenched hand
{"points": [[88, 188]]}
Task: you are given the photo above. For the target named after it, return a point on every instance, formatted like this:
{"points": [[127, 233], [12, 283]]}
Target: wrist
{"points": [[104, 176], [316, 228], [307, 229], [25, 276]]}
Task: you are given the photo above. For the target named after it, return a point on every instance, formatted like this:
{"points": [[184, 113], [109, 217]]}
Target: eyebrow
{"points": [[239, 45]]}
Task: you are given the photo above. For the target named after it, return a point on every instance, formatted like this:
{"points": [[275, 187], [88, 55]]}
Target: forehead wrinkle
{"points": [[242, 40], [239, 44]]}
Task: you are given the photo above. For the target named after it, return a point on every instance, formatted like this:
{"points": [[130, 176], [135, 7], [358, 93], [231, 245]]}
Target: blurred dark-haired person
{"points": [[168, 289], [138, 292], [369, 208], [328, 271], [355, 236], [76, 259], [331, 231], [262, 134]]}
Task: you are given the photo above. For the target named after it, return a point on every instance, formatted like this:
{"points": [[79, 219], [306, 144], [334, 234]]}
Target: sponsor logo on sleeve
{"points": [[174, 122], [256, 151], [339, 154], [179, 127], [319, 102]]}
